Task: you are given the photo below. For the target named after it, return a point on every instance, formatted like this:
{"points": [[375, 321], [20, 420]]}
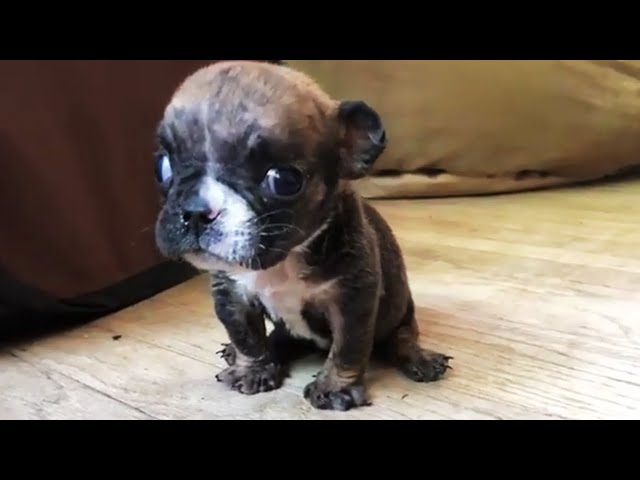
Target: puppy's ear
{"points": [[362, 138]]}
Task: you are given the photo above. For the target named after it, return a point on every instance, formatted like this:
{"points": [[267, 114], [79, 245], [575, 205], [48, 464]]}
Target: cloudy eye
{"points": [[284, 182], [163, 168]]}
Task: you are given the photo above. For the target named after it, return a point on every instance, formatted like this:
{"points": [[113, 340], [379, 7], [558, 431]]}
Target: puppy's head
{"points": [[250, 158]]}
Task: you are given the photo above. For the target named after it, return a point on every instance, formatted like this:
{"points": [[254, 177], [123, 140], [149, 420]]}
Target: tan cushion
{"points": [[482, 126]]}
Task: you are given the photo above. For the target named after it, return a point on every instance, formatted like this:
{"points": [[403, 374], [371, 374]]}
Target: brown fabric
{"points": [[78, 199], [478, 126]]}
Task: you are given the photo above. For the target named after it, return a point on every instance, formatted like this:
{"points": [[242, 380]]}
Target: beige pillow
{"points": [[482, 126]]}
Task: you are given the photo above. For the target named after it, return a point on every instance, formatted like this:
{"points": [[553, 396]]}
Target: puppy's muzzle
{"points": [[198, 212]]}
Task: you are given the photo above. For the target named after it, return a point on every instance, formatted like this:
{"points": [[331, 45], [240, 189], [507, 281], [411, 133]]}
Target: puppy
{"points": [[254, 165]]}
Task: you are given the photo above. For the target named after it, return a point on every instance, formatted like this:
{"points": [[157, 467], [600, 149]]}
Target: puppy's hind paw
{"points": [[426, 366]]}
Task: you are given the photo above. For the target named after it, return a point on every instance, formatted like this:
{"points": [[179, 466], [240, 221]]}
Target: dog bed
{"points": [[464, 127]]}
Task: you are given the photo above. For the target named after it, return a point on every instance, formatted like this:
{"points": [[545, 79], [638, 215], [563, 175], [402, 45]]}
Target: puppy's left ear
{"points": [[362, 138]]}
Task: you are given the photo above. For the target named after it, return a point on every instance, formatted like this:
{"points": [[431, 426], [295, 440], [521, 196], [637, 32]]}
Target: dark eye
{"points": [[284, 182], [163, 168]]}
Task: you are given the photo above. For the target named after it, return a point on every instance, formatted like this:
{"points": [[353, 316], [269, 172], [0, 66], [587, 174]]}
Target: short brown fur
{"points": [[303, 105]]}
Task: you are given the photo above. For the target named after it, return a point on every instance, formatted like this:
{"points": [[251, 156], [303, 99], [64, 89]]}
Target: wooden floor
{"points": [[537, 296]]}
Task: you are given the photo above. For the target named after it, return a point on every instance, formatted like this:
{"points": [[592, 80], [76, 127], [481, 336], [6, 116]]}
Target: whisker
{"points": [[134, 241], [275, 212], [256, 220], [274, 249], [271, 234], [284, 226]]}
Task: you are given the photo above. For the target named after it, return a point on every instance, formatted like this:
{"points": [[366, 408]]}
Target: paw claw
{"points": [[228, 353]]}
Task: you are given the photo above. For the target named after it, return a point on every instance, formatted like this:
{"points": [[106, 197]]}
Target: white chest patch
{"points": [[284, 294]]}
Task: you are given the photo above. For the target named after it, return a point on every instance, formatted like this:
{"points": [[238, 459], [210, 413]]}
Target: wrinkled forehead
{"points": [[210, 136], [231, 131]]}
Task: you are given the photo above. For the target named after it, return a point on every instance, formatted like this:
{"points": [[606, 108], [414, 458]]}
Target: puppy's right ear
{"points": [[362, 138]]}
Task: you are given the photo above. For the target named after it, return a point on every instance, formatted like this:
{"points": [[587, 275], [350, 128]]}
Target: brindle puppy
{"points": [[255, 163]]}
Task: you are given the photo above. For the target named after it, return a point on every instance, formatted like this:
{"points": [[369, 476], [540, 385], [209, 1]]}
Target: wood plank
{"points": [[31, 391]]}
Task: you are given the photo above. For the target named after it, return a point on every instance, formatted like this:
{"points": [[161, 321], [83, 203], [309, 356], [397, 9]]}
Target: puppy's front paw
{"points": [[325, 396], [426, 366], [252, 379]]}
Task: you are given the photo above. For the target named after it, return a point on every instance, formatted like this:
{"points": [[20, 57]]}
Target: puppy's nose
{"points": [[199, 210]]}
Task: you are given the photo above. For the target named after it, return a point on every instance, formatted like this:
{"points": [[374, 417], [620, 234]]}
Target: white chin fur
{"points": [[207, 264], [235, 223]]}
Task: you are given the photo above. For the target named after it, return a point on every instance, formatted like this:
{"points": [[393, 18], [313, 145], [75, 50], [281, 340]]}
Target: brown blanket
{"points": [[78, 198]]}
